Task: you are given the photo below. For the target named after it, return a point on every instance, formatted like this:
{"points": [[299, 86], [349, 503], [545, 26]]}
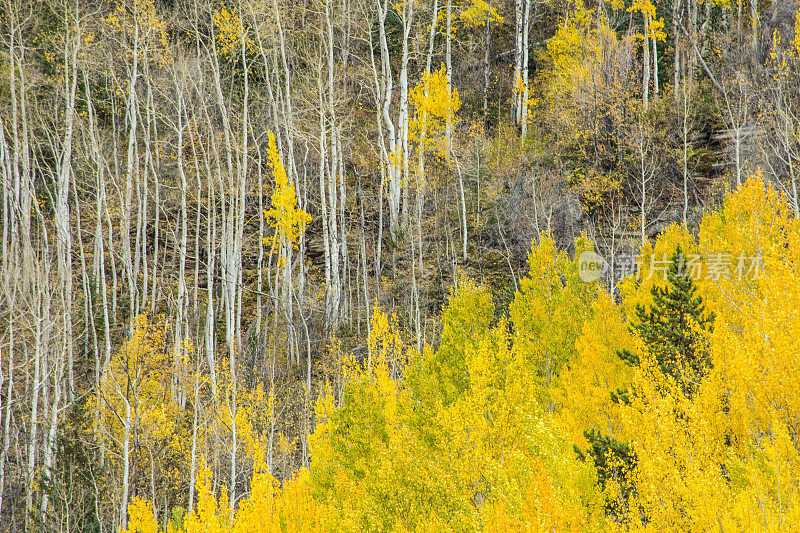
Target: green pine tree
{"points": [[674, 329], [615, 461]]}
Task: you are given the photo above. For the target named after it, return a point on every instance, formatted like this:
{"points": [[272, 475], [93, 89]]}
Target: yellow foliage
{"points": [[434, 96], [728, 458], [205, 517], [584, 393], [655, 26], [573, 51], [478, 433], [478, 11], [436, 103], [797, 34], [136, 386], [289, 221], [653, 263], [582, 86], [547, 313], [384, 345], [140, 517], [138, 23], [229, 33]]}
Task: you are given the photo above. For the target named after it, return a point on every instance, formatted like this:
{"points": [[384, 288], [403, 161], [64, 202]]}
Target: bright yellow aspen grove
{"points": [[754, 346], [469, 437], [727, 458], [367, 466], [508, 452], [465, 321], [268, 508]]}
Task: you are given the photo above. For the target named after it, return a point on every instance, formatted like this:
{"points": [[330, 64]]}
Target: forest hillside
{"points": [[429, 265]]}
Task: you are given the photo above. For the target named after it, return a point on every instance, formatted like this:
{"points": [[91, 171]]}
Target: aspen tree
{"points": [[782, 116], [289, 223], [7, 380], [677, 44], [519, 7], [182, 303], [386, 85], [65, 171], [402, 147], [335, 189], [231, 41], [543, 333], [396, 158], [436, 105], [526, 32], [651, 31], [448, 58], [133, 395], [482, 14]]}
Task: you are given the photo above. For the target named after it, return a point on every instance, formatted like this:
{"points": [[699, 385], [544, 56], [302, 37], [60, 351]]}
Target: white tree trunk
{"points": [[393, 167], [646, 62], [525, 70], [519, 9]]}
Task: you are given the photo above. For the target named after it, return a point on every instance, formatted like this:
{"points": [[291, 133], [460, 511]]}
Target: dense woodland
{"points": [[275, 265]]}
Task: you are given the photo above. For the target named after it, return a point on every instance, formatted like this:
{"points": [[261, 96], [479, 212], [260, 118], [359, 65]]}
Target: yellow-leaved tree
{"points": [[549, 309], [369, 465], [140, 518], [230, 33], [137, 414], [583, 89], [289, 223], [477, 12], [583, 394], [288, 220], [437, 105]]}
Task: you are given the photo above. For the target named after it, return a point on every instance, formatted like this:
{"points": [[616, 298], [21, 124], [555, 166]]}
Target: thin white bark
{"points": [[525, 70], [394, 154], [646, 61]]}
